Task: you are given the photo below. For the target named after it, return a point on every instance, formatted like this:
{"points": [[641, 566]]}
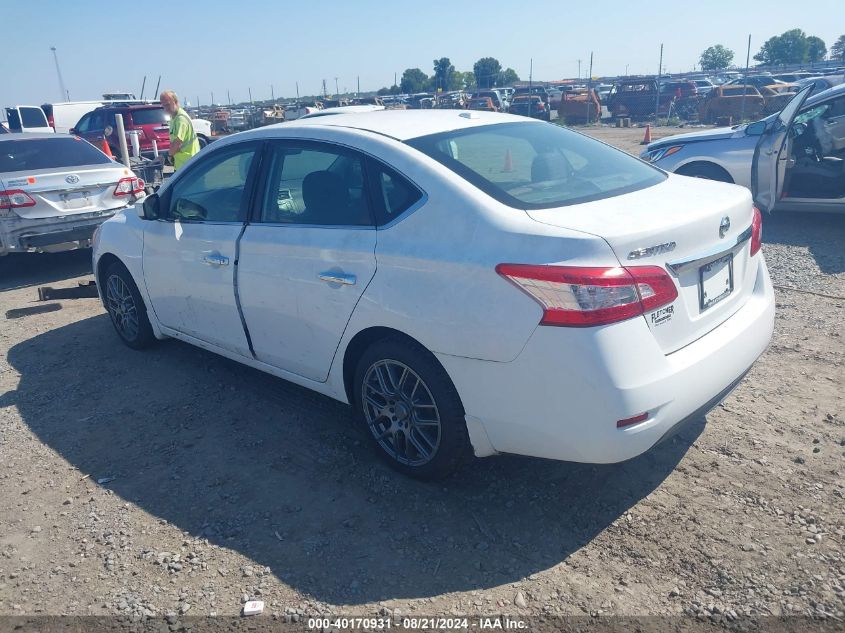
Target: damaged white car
{"points": [[55, 190]]}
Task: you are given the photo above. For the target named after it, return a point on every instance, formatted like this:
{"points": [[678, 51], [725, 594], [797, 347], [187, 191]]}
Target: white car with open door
{"points": [[466, 280], [799, 161]]}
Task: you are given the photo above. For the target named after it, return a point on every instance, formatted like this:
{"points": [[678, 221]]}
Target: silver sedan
{"points": [[807, 170], [55, 190]]}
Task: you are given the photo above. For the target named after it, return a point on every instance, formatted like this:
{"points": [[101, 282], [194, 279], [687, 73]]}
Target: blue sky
{"points": [[214, 46]]}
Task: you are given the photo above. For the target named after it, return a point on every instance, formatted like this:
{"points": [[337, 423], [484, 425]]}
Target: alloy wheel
{"points": [[122, 308], [401, 412]]}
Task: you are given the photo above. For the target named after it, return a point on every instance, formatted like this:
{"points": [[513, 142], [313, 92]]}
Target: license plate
{"points": [[715, 281], [76, 200]]}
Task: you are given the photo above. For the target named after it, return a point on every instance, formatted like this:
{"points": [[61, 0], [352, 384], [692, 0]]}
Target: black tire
{"points": [[123, 301], [452, 446], [706, 170]]}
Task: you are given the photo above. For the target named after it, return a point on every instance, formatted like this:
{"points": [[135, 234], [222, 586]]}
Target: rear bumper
{"points": [[561, 398], [19, 235]]}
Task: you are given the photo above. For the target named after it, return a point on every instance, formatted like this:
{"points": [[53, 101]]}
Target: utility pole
{"points": [[590, 89], [212, 98], [530, 74], [359, 86], [579, 70], [336, 89], [228, 96], [745, 80], [659, 67], [297, 91], [272, 93], [626, 70], [394, 80], [250, 95], [324, 88], [62, 90]]}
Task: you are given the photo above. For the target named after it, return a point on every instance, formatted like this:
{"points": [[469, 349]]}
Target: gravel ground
{"points": [[176, 482]]}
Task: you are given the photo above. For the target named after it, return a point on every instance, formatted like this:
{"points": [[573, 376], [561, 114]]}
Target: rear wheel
{"points": [[410, 409], [126, 308]]}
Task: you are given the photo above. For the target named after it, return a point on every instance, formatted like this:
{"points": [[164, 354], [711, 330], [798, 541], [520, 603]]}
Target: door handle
{"points": [[338, 278], [215, 259]]}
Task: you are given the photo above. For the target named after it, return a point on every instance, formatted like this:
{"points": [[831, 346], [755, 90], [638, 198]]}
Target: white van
{"points": [[66, 114], [27, 119]]}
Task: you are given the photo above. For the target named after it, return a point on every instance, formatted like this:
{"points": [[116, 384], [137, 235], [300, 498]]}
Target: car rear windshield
{"points": [[537, 165], [149, 116], [48, 153]]}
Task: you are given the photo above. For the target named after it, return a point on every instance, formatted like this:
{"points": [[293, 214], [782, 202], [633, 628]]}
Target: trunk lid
{"points": [[676, 225], [91, 189], [154, 124]]}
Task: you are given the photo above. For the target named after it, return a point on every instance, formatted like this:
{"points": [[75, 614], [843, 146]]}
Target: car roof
{"points": [[400, 124], [826, 94], [34, 136]]}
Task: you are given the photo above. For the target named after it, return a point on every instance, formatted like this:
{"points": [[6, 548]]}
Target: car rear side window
{"points": [[149, 116], [537, 165], [316, 184], [392, 193], [48, 153]]}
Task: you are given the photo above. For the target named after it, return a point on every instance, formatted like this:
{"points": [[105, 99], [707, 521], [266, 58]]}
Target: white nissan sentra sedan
{"points": [[465, 280]]}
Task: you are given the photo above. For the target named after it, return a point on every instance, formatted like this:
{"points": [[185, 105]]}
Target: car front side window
{"points": [[315, 184], [214, 190]]}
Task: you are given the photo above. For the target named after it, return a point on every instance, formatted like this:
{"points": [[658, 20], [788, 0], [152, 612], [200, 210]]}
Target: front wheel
{"points": [[126, 308], [410, 409]]}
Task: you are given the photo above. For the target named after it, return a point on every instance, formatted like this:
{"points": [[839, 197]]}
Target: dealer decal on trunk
{"points": [[663, 315]]}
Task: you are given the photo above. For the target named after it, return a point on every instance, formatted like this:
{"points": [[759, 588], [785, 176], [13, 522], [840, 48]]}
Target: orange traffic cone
{"points": [[508, 166], [107, 149], [647, 137]]}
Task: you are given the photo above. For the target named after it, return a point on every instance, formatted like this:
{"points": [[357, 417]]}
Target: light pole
{"points": [[62, 88], [336, 89]]}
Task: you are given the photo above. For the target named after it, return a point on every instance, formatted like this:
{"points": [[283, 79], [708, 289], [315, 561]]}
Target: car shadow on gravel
{"points": [[22, 270], [823, 234], [281, 475]]}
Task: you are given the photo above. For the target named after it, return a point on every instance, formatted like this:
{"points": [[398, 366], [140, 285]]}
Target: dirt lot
{"points": [[175, 481]]}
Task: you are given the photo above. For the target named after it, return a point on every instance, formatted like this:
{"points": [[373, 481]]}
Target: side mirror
{"points": [[72, 130], [149, 209], [756, 129]]}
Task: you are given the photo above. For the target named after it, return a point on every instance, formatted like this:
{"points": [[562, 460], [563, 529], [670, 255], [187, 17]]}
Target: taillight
{"points": [[756, 231], [51, 122], [15, 198], [128, 186], [583, 297]]}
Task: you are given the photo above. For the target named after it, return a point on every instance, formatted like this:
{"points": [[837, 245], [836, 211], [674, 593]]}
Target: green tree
{"points": [[790, 47], [414, 80], [508, 77], [837, 51], [816, 49], [443, 71], [486, 71], [716, 57]]}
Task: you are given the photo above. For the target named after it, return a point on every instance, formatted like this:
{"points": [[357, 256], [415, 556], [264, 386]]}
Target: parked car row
{"points": [[95, 121]]}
